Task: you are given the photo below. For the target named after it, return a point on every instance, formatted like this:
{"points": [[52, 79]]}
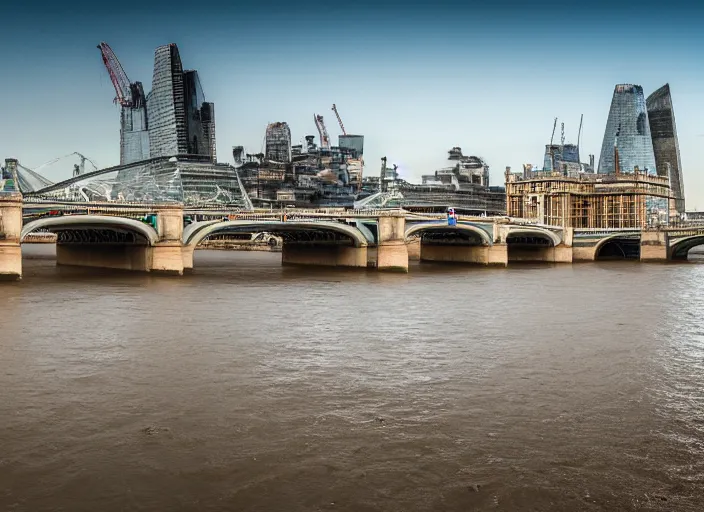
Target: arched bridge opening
{"points": [[682, 249], [441, 242], [531, 245], [444, 234], [94, 230], [618, 248], [304, 242], [105, 242]]}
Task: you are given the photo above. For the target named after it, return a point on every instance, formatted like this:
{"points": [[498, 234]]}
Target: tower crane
{"points": [[324, 137], [81, 167], [339, 120], [118, 77]]}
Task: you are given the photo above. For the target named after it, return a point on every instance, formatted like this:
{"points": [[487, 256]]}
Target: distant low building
{"points": [[463, 185]]}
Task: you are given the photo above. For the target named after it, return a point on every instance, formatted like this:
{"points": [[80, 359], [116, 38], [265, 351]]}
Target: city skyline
{"points": [[413, 98]]}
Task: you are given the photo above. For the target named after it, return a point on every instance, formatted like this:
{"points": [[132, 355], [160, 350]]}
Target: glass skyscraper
{"points": [[354, 142], [665, 145], [166, 105], [134, 136], [200, 117], [628, 130], [181, 122]]}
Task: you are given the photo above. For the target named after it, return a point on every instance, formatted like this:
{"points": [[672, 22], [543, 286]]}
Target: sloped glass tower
{"points": [[166, 106], [665, 145], [628, 130]]}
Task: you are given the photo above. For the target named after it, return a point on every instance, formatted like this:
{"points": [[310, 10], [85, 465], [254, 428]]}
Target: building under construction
{"points": [[589, 201]]}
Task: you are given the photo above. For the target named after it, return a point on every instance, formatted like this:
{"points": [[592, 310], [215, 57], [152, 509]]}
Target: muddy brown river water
{"points": [[251, 387]]}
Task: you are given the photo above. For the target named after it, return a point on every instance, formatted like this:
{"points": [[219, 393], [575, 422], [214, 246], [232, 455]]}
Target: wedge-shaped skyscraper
{"points": [[628, 130], [665, 145], [166, 105], [180, 120]]}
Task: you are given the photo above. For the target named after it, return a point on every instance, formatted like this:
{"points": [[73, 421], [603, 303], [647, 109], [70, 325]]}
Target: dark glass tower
{"points": [[180, 120], [134, 137], [278, 142], [665, 145], [166, 106], [628, 130]]}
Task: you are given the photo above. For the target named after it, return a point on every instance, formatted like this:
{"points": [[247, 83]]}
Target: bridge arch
{"points": [[195, 233], [440, 227], [518, 232], [92, 222], [618, 246], [680, 249]]}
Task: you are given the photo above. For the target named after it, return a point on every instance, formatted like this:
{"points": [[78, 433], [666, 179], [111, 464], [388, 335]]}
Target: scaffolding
{"points": [[590, 201]]}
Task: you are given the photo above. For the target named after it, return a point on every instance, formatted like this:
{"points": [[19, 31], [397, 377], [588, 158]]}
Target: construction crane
{"points": [[324, 137], [579, 135], [118, 77], [81, 167], [339, 120]]}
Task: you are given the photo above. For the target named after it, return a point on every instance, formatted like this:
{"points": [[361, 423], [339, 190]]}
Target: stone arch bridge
{"points": [[162, 238]]}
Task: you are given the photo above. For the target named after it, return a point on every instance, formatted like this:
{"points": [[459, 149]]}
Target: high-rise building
{"points": [[627, 133], [278, 142], [134, 134], [200, 117], [166, 105], [353, 142], [207, 114], [665, 145]]}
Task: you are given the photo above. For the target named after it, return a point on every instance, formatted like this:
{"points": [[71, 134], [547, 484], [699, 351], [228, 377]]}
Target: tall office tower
{"points": [[628, 130], [207, 114], [200, 117], [166, 105], [278, 142], [667, 150], [134, 136]]}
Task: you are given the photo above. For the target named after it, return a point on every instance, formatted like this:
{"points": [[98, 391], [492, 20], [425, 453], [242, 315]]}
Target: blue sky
{"points": [[415, 79]]}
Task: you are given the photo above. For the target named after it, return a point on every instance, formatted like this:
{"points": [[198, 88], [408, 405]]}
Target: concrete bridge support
{"points": [[391, 250], [654, 246], [583, 253], [167, 253], [496, 254], [332, 255], [10, 234], [558, 254], [413, 247]]}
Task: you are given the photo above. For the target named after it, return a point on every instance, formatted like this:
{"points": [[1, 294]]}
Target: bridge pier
{"points": [[558, 254], [496, 254], [583, 253], [413, 248], [391, 249], [331, 255], [653, 246], [187, 257], [10, 233]]}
